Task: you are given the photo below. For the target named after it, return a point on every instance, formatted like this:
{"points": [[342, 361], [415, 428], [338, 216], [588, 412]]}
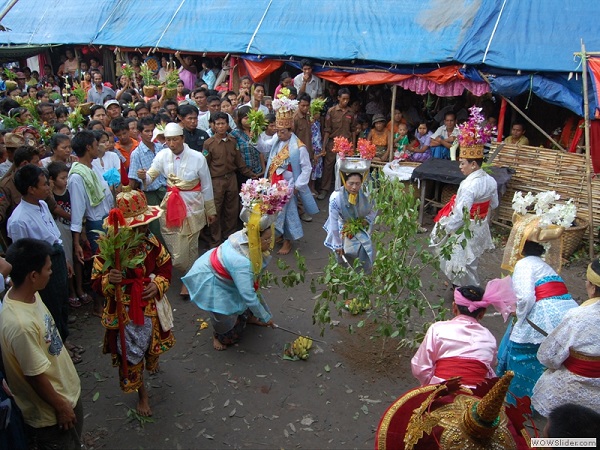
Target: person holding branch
{"points": [[133, 272]]}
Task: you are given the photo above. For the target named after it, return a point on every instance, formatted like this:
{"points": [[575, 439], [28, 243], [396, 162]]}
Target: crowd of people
{"points": [[173, 169]]}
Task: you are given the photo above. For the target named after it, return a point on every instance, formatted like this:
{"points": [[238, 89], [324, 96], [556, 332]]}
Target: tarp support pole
{"points": [[536, 126], [393, 107], [588, 159]]}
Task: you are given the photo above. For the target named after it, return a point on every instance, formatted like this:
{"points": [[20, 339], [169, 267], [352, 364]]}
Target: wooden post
{"points": [[501, 118], [588, 159], [393, 107]]}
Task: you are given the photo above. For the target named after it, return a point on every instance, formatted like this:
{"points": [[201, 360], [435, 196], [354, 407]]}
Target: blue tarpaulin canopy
{"points": [[537, 37]]}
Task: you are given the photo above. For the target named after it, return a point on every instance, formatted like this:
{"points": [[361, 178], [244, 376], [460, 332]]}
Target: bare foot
{"points": [[184, 291], [98, 306], [143, 406], [218, 346], [97, 313], [156, 370], [285, 248]]}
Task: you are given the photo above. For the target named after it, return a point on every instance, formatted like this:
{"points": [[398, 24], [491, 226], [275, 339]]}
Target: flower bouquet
{"points": [[545, 207], [472, 133], [343, 147], [171, 84], [11, 79], [366, 149], [266, 197], [127, 70], [283, 101], [150, 82]]}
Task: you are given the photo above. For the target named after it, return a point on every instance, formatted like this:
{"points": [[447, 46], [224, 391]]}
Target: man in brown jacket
{"points": [[338, 122], [224, 160], [302, 130]]}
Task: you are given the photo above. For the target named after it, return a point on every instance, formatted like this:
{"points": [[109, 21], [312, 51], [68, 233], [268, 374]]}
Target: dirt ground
{"points": [[248, 396]]}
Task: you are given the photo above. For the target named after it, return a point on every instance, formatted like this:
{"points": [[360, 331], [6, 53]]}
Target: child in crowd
{"points": [[271, 129], [396, 120], [401, 142], [379, 137], [58, 172], [362, 126], [421, 150], [107, 164]]}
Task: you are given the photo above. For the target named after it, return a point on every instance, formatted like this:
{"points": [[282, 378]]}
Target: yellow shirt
{"points": [[32, 346]]}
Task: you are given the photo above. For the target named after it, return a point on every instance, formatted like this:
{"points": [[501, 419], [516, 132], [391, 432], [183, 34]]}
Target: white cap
{"points": [[173, 129], [157, 132]]}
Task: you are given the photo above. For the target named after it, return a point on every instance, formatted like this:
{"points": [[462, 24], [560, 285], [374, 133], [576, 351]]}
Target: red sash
{"points": [[215, 262], [276, 178], [136, 304], [470, 370], [582, 367], [176, 210], [478, 209], [550, 289]]}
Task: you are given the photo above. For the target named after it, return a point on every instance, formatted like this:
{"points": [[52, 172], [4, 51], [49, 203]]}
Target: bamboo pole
{"points": [[588, 161], [391, 140], [535, 125]]}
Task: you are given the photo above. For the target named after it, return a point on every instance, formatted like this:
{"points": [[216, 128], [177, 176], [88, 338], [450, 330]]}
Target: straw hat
{"points": [[474, 152], [135, 209]]}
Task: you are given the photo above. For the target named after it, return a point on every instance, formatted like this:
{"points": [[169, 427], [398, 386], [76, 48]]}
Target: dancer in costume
{"points": [[571, 352], [478, 194], [189, 203], [224, 281], [462, 347], [288, 160], [142, 287], [351, 216], [542, 300]]}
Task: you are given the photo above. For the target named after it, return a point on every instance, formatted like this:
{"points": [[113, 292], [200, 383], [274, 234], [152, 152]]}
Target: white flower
{"points": [[521, 204], [544, 201]]}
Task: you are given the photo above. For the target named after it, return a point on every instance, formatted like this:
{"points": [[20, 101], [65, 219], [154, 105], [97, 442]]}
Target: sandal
{"points": [[75, 358], [74, 302], [74, 348], [85, 298]]}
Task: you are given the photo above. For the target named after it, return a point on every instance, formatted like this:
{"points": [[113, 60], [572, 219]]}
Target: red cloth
{"points": [[136, 304], [588, 369], [480, 209], [176, 209], [550, 289], [219, 268], [215, 262], [471, 371], [276, 178], [595, 145]]}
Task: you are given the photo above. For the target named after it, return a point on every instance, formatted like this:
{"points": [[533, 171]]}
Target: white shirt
{"points": [[189, 165], [313, 87], [80, 202], [204, 125], [33, 221], [262, 108], [109, 161], [443, 132]]}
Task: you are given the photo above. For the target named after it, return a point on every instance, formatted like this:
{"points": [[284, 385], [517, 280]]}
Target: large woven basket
{"points": [[447, 192], [572, 237]]}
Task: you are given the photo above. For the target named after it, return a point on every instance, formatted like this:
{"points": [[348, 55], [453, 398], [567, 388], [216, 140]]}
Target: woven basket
{"points": [[572, 237], [86, 108], [447, 192], [149, 91], [170, 93]]}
